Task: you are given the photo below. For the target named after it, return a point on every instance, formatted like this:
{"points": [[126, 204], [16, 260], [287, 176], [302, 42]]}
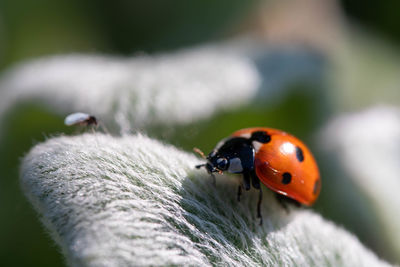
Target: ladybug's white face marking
{"points": [[76, 118], [235, 165], [256, 145], [246, 135]]}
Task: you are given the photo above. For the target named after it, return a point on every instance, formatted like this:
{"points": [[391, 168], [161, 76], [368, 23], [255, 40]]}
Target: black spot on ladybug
{"points": [[261, 136], [299, 154], [317, 186], [286, 178]]}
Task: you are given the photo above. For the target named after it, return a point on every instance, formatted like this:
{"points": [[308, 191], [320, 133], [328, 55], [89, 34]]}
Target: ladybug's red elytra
{"points": [[279, 160]]}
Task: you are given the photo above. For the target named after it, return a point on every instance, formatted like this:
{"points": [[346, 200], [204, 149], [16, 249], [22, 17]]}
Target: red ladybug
{"points": [[279, 160]]}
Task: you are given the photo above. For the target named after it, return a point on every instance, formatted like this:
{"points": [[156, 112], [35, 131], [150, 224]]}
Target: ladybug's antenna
{"points": [[198, 151], [199, 166]]}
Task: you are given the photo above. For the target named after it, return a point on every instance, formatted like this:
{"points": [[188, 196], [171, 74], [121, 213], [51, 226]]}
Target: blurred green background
{"points": [[30, 29]]}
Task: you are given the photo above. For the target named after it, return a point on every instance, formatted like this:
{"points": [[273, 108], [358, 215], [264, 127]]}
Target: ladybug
{"points": [[279, 160]]}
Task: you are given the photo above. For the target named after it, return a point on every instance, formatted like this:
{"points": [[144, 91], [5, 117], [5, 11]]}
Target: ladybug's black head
{"points": [[218, 161], [234, 155], [215, 164]]}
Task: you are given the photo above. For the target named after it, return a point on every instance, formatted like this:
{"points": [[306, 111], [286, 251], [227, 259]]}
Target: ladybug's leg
{"points": [[256, 184], [259, 207], [254, 180], [246, 180], [239, 193]]}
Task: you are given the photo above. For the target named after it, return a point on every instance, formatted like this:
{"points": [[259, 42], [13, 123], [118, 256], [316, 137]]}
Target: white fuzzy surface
{"points": [[133, 201], [368, 145], [166, 88]]}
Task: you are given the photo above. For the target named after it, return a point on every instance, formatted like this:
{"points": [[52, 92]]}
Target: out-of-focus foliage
{"points": [[23, 239], [31, 29], [378, 16]]}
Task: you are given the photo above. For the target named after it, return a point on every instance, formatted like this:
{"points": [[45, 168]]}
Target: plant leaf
{"points": [[367, 145], [165, 88], [131, 200]]}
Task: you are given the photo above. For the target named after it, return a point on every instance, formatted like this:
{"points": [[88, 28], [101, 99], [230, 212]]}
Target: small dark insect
{"points": [[80, 118]]}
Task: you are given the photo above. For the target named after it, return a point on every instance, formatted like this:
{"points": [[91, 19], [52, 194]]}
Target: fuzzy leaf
{"points": [[368, 146], [166, 88], [131, 200]]}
